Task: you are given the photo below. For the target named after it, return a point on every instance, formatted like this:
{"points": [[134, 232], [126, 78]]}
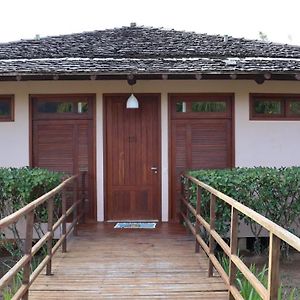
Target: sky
{"points": [[279, 20]]}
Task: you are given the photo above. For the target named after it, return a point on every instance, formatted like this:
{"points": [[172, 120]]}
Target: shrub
{"points": [[20, 186]]}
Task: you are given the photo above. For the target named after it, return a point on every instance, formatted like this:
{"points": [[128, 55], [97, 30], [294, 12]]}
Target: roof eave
{"points": [[212, 75]]}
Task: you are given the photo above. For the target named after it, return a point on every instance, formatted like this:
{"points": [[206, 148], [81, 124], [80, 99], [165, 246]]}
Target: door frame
{"points": [[105, 184], [93, 171], [231, 97]]}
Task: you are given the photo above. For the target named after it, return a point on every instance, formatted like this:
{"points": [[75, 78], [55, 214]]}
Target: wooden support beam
{"points": [[233, 248], [50, 208], [64, 222], [212, 227], [198, 212], [27, 251], [274, 259], [75, 210]]}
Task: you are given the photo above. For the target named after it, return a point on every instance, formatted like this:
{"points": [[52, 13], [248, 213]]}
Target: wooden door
{"points": [[62, 138], [132, 158], [201, 137]]}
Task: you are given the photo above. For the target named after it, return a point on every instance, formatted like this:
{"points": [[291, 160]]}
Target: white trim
{"points": [[100, 157], [164, 159]]}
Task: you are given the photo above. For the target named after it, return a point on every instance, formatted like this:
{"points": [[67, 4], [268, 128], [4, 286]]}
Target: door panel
{"points": [[65, 145], [132, 148], [198, 141]]}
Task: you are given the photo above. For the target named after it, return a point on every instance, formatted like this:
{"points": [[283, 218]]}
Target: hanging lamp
{"points": [[132, 101]]}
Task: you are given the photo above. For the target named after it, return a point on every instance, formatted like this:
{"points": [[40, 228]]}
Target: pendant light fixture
{"points": [[132, 101]]}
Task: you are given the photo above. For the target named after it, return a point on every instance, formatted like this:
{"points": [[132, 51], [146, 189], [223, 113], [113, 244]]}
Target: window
{"points": [[212, 106], [274, 107], [62, 106], [6, 108], [56, 107], [206, 106]]}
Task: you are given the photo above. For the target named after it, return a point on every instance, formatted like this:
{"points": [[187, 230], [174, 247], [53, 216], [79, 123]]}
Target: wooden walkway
{"points": [[107, 263]]}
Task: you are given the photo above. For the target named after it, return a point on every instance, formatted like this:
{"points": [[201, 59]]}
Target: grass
{"points": [[246, 289]]}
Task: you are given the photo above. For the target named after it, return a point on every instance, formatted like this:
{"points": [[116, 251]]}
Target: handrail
{"points": [[29, 251], [277, 234]]}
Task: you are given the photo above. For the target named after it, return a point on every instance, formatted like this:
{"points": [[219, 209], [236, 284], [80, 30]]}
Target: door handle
{"points": [[155, 169]]}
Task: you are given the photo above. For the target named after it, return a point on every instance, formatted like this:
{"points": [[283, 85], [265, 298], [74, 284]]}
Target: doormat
{"points": [[136, 225]]}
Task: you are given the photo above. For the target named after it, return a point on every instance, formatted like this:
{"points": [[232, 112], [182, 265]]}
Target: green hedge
{"points": [[19, 186], [272, 192]]}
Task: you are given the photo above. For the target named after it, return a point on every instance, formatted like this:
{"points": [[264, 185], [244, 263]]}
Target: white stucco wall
{"points": [[267, 143]]}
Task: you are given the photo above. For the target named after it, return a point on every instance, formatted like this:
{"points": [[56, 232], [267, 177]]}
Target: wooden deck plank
{"points": [[107, 263]]}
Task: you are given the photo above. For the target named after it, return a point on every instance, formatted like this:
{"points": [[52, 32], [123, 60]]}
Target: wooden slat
{"points": [[147, 266]]}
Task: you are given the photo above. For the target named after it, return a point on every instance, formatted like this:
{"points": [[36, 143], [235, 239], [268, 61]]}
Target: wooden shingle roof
{"points": [[146, 50]]}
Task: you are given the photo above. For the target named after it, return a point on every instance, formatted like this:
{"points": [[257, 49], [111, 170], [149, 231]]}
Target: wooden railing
{"points": [[276, 234], [28, 212]]}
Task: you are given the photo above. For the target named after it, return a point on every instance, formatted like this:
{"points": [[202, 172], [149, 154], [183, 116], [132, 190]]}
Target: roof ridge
{"points": [[146, 27], [140, 41]]}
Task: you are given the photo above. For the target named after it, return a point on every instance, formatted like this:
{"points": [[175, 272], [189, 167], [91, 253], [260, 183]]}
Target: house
{"points": [[203, 102]]}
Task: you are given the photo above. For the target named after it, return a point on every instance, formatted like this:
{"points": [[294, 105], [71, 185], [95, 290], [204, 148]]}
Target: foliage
{"points": [[20, 186], [272, 192], [267, 107], [244, 286], [246, 289], [9, 291]]}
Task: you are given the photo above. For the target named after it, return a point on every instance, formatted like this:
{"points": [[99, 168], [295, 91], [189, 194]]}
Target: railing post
{"points": [[182, 196], [75, 211], [50, 207], [83, 195], [198, 212], [233, 247], [64, 222], [212, 227], [27, 250], [273, 274]]}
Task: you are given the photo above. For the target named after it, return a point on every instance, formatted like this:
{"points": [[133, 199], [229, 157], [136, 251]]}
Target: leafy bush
{"points": [[272, 192], [20, 186]]}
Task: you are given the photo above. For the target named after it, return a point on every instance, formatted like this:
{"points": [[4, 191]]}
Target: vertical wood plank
{"points": [[50, 207], [233, 247], [182, 196], [212, 227], [198, 212], [274, 259], [83, 175], [27, 250], [64, 222], [75, 211]]}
